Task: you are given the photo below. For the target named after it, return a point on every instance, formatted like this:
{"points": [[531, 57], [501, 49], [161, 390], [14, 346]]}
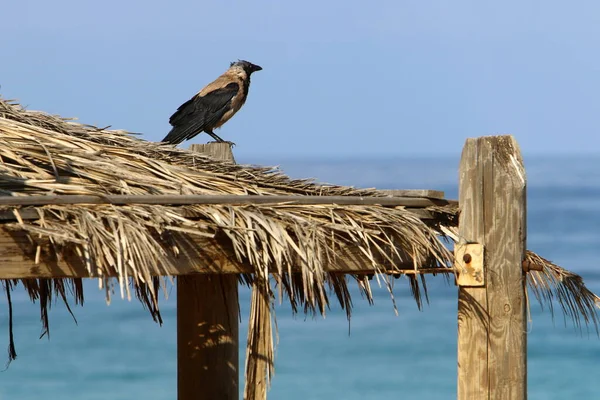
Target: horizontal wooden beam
{"points": [[431, 194], [392, 201], [197, 256]]}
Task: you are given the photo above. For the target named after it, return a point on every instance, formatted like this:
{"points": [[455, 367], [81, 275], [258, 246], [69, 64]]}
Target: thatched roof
{"points": [[286, 244]]}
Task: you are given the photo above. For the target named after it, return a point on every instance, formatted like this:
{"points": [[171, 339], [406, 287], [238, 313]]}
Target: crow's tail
{"points": [[175, 136]]}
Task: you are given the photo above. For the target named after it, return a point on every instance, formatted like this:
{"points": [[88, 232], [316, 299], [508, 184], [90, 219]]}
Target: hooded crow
{"points": [[214, 105]]}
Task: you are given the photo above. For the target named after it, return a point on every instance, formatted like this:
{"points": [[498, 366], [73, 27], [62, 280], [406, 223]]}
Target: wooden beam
{"points": [[492, 339], [208, 326], [199, 255], [232, 199], [427, 193]]}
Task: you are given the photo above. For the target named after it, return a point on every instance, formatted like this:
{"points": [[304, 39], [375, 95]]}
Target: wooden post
{"points": [[492, 325], [208, 326]]}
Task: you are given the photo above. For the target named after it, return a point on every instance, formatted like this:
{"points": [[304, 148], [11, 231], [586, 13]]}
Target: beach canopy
{"points": [[134, 213]]}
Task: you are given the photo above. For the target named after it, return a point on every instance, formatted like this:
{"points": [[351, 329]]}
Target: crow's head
{"points": [[247, 66]]}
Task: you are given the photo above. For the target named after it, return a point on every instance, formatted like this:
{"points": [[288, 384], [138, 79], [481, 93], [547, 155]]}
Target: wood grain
{"points": [[427, 193], [234, 199], [208, 326], [492, 341]]}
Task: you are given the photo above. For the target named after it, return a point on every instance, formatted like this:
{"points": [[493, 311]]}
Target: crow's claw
{"points": [[223, 141]]}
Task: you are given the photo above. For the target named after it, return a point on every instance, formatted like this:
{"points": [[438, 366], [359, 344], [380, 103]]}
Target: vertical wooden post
{"points": [[492, 325], [208, 326]]}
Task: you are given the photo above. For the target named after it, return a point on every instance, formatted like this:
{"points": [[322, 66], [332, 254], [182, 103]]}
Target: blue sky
{"points": [[341, 79]]}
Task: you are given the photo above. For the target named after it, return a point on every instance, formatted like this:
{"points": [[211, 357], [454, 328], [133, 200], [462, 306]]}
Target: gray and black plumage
{"points": [[214, 105]]}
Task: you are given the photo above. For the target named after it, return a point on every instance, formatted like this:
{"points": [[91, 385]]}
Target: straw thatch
{"points": [[555, 283], [42, 154], [285, 244]]}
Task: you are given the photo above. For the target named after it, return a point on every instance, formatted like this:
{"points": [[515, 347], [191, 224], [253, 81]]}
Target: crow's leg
{"points": [[218, 139], [214, 136]]}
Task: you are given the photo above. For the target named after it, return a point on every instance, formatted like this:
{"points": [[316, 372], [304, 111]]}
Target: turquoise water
{"points": [[116, 351]]}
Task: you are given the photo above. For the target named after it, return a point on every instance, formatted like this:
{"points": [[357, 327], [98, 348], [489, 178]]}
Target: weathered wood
{"points": [[201, 255], [207, 337], [233, 199], [208, 326], [427, 193], [492, 341]]}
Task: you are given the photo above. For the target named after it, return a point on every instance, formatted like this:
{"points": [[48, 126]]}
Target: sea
{"points": [[117, 352]]}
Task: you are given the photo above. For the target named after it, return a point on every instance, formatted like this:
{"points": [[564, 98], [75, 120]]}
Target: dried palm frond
{"points": [[568, 288], [287, 244], [260, 353]]}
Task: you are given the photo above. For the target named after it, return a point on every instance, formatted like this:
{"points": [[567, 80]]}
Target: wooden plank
{"points": [[200, 255], [427, 193], [492, 341], [208, 326], [26, 213], [158, 199]]}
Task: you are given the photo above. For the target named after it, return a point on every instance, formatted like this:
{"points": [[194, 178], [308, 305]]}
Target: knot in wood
{"points": [[467, 258]]}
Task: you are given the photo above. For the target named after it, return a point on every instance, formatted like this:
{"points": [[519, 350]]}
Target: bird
{"points": [[214, 105]]}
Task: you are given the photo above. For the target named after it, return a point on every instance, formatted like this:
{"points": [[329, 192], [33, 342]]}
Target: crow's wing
{"points": [[200, 113]]}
